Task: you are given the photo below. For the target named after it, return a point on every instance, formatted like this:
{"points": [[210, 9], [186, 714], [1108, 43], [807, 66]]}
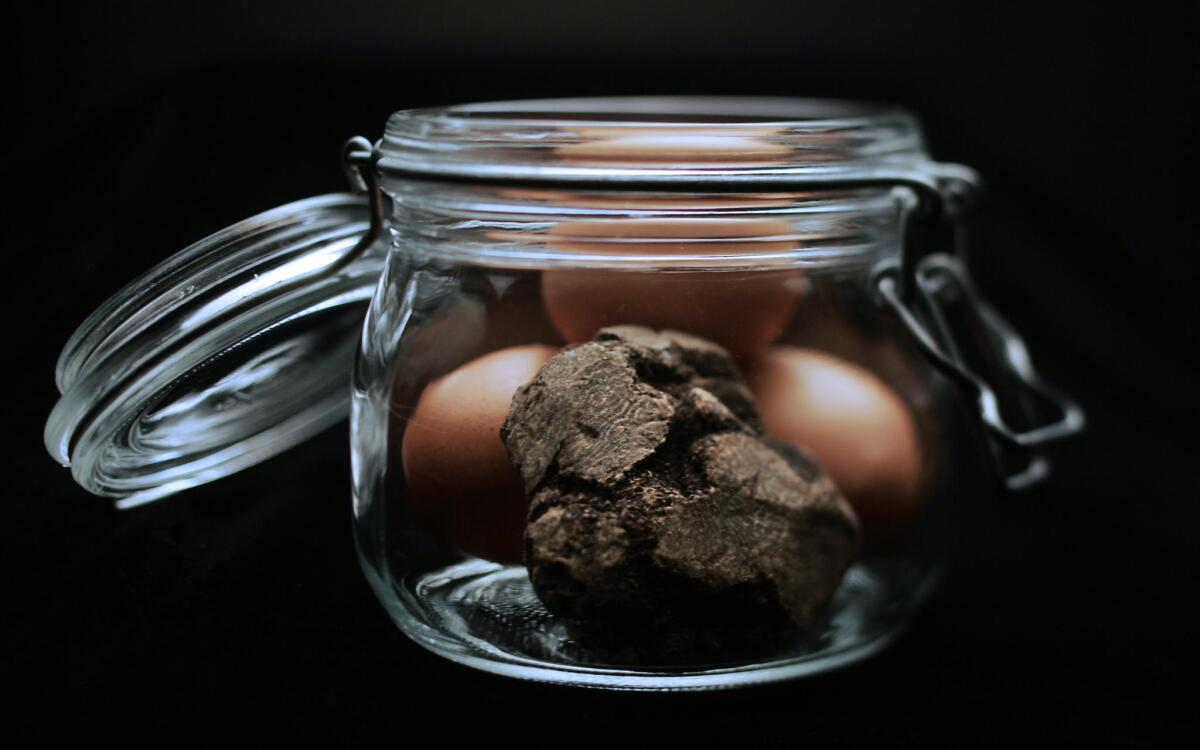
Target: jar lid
{"points": [[228, 353]]}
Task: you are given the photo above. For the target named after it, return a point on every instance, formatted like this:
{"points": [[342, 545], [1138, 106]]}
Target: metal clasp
{"points": [[918, 289], [360, 162]]}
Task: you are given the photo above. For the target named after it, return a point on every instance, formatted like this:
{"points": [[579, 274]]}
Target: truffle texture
{"points": [[656, 503]]}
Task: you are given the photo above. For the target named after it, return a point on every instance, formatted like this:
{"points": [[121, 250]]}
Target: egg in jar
{"points": [[743, 311], [460, 480], [860, 431], [693, 144]]}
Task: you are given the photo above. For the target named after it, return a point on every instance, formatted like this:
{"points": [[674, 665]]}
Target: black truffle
{"points": [[657, 506]]}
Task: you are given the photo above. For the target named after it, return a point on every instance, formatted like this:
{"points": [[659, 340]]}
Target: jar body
{"points": [[484, 284]]}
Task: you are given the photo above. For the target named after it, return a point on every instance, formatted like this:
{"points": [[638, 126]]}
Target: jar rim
{"points": [[654, 139], [651, 111]]}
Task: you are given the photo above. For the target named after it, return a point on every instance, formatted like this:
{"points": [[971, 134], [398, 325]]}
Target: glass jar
{"points": [[652, 393]]}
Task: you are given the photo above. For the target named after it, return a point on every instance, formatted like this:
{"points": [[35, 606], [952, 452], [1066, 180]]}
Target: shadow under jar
{"points": [[651, 393]]}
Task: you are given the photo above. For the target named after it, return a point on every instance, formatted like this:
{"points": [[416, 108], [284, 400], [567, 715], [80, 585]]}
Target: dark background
{"points": [[238, 611]]}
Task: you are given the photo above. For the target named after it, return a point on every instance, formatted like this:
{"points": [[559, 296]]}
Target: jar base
{"points": [[486, 615]]}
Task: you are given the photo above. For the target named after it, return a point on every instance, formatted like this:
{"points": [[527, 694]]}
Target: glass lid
{"points": [[227, 353]]}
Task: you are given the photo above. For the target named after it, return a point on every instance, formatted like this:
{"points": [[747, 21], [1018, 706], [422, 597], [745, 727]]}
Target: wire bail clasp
{"points": [[921, 289], [360, 164]]}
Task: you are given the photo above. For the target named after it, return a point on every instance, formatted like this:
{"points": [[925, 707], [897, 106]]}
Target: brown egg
{"points": [[651, 201], [834, 323], [856, 426], [460, 480], [675, 146], [743, 311], [674, 236]]}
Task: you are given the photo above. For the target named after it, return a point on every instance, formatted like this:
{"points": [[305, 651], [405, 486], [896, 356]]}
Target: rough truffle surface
{"points": [[656, 503]]}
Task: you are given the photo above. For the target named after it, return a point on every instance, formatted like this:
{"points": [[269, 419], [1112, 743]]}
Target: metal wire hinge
{"points": [[360, 164], [918, 289]]}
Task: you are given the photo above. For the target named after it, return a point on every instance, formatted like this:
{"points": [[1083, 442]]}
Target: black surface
{"points": [[237, 611]]}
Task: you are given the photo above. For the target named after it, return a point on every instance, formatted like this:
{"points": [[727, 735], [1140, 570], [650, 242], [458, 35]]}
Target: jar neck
{"points": [[518, 226], [652, 181]]}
